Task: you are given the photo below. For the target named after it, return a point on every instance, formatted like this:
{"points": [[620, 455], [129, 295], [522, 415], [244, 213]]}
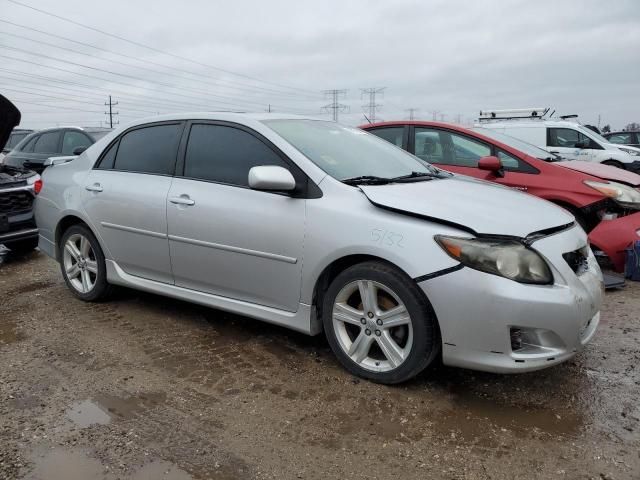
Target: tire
{"points": [[88, 280], [614, 163], [361, 341], [22, 247]]}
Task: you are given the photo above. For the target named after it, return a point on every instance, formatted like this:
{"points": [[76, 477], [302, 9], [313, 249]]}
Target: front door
{"points": [[126, 197], [225, 238]]}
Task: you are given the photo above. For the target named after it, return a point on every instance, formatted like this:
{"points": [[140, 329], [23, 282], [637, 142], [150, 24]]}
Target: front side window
{"points": [[225, 154], [47, 143], [150, 149], [440, 146], [569, 138], [73, 140], [393, 135], [621, 138], [346, 152]]}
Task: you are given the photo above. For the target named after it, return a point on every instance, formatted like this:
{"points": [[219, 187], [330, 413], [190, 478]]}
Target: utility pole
{"points": [[435, 115], [372, 106], [412, 112], [442, 115], [458, 119], [335, 106], [111, 113], [269, 108]]}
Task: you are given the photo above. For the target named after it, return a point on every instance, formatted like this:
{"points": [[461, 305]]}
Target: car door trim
{"points": [[124, 228], [229, 248]]}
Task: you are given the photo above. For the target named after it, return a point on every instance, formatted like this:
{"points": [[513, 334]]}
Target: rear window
{"points": [[47, 143]]}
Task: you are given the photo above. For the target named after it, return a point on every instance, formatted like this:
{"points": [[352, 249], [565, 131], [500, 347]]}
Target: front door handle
{"points": [[554, 151], [182, 200], [96, 187]]}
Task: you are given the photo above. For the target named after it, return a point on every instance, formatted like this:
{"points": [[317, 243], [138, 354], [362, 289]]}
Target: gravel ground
{"points": [[145, 387]]}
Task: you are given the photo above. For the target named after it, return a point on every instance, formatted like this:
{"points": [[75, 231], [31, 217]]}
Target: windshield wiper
{"points": [[415, 177], [366, 180]]}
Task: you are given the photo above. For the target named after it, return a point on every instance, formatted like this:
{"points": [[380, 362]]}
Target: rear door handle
{"points": [[182, 200], [96, 187]]}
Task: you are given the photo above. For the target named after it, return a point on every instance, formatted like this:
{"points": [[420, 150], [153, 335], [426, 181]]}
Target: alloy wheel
{"points": [[80, 263], [372, 325]]}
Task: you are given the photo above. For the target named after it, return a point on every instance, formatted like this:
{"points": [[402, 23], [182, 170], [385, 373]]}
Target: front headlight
{"points": [[506, 258], [626, 196], [630, 151]]}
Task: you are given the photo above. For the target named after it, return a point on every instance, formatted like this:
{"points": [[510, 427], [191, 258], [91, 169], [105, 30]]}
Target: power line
{"points": [[372, 106], [335, 106], [153, 48], [237, 86]]}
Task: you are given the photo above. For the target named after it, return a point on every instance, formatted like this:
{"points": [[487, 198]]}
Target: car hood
{"points": [[482, 207], [605, 172], [9, 118]]}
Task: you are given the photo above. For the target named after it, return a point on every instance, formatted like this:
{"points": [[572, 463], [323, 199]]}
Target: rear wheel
{"points": [[379, 324], [82, 264], [614, 163]]}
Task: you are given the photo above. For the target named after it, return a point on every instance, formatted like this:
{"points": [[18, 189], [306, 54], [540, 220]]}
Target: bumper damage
{"points": [[613, 236]]}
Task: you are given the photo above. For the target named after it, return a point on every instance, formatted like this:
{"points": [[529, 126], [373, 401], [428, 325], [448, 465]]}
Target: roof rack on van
{"points": [[512, 114]]}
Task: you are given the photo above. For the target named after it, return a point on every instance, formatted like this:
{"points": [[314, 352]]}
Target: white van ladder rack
{"points": [[513, 114]]}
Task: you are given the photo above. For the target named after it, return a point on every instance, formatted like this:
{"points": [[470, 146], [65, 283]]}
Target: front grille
{"points": [[577, 260], [15, 202]]}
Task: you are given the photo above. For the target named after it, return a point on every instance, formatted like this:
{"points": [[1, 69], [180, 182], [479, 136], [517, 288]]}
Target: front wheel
{"points": [[379, 324], [82, 264]]}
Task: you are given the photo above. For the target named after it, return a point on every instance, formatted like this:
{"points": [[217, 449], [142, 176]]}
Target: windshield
{"points": [[590, 133], [524, 147], [346, 152]]}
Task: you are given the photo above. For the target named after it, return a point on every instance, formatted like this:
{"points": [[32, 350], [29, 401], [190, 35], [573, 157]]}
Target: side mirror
{"points": [[271, 178], [491, 164], [79, 150]]}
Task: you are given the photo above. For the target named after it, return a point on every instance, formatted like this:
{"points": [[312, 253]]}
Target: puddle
{"points": [[473, 417], [104, 408], [60, 464], [9, 332]]}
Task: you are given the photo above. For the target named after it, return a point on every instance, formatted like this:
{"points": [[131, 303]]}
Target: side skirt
{"points": [[299, 321]]}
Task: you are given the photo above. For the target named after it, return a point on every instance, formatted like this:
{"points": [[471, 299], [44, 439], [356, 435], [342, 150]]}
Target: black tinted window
{"points": [[109, 157], [14, 139], [28, 146], [47, 143], [568, 138], [149, 149], [225, 154], [73, 140], [390, 134]]}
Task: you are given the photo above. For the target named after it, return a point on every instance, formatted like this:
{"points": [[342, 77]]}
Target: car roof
{"points": [[621, 131], [224, 116]]}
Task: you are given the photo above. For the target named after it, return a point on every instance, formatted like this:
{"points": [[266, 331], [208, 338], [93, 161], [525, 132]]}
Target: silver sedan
{"points": [[324, 228]]}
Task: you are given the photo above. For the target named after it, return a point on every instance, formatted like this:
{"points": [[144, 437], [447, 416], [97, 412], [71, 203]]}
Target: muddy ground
{"points": [[145, 387]]}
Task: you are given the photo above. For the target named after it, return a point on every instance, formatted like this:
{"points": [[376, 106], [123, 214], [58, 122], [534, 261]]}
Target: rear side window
{"points": [[390, 134], [47, 143], [28, 146], [224, 154], [15, 139], [150, 149], [73, 140]]}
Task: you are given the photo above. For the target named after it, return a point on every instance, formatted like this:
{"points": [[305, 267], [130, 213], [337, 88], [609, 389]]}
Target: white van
{"points": [[567, 139]]}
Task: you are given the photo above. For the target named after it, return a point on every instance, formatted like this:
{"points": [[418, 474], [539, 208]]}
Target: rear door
{"points": [[225, 238], [126, 198]]}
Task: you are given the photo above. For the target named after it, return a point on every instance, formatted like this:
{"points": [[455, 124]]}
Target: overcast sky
{"points": [[451, 57]]}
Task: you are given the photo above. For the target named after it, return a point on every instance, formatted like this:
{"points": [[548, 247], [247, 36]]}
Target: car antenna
{"points": [[365, 116]]}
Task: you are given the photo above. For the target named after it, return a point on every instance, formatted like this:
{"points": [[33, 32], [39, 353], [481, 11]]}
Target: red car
{"points": [[604, 200]]}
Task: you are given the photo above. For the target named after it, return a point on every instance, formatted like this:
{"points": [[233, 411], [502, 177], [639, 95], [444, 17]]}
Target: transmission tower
{"points": [[335, 106], [372, 106], [111, 113], [412, 113], [435, 115]]}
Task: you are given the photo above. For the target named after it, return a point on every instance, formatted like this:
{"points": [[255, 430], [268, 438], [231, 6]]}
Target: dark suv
{"points": [[631, 138], [17, 135], [18, 188], [32, 151]]}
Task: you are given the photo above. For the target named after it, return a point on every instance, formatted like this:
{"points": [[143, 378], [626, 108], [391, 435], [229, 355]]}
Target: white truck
{"points": [[568, 139]]}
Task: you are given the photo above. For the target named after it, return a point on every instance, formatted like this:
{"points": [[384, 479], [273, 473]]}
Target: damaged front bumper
{"points": [[614, 236]]}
